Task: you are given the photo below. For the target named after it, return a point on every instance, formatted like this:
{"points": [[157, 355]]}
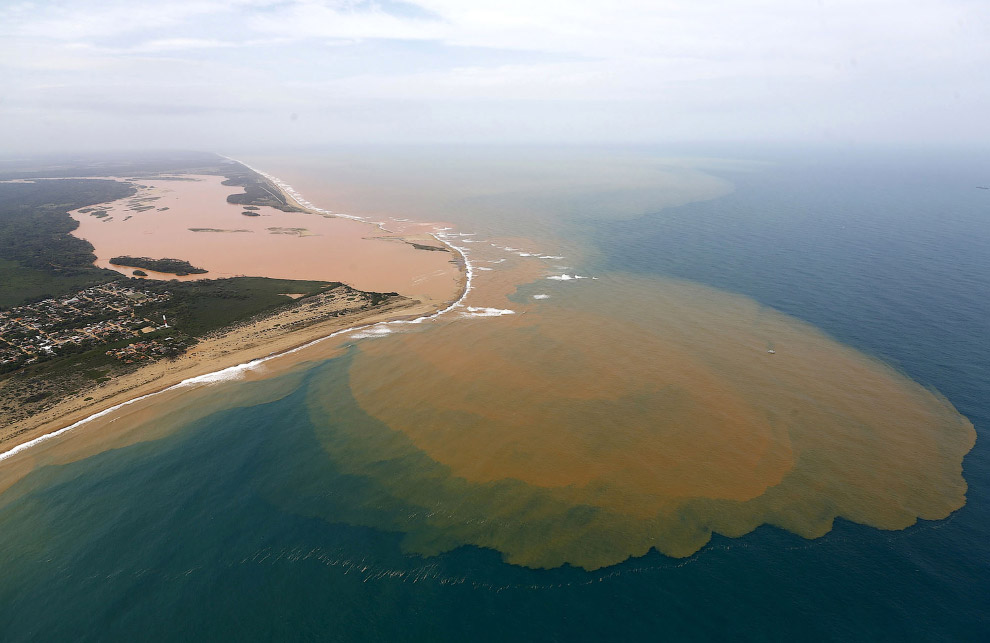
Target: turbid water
{"points": [[598, 443], [191, 220]]}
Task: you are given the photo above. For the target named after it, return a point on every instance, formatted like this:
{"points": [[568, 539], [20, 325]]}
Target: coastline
{"points": [[229, 353]]}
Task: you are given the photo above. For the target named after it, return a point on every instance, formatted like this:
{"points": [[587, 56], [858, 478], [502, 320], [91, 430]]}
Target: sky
{"points": [[256, 74]]}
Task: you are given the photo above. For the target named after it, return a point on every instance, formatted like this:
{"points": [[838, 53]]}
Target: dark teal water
{"points": [[211, 534]]}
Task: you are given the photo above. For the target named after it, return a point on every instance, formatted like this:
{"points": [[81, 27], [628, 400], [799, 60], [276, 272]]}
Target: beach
{"points": [[428, 282], [260, 339]]}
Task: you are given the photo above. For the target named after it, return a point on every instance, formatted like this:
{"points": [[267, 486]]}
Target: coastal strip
{"points": [[233, 353], [191, 370], [441, 235], [291, 194]]}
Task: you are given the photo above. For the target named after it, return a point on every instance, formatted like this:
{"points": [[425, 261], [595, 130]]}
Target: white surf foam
{"points": [[478, 311], [230, 373], [378, 330]]}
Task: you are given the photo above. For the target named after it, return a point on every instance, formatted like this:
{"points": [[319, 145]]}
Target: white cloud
{"points": [[868, 70], [342, 21], [80, 21]]}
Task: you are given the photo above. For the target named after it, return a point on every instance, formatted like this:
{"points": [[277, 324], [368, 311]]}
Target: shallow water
{"points": [[378, 494]]}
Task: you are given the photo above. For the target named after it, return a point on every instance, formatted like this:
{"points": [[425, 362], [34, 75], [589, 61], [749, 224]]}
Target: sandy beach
{"points": [[428, 282], [270, 336]]}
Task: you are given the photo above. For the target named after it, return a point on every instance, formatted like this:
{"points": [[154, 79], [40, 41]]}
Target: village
{"points": [[99, 315]]}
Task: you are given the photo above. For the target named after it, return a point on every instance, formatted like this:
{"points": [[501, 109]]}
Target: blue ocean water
{"points": [[220, 531]]}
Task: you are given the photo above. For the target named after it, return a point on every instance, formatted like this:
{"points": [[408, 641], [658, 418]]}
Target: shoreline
{"points": [[234, 351]]}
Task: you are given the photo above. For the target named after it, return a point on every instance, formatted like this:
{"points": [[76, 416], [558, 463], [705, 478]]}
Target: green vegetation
{"points": [[38, 256], [92, 363], [171, 266], [198, 307], [423, 246], [192, 310], [20, 284]]}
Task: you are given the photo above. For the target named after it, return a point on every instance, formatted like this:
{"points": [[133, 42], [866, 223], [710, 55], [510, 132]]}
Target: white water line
{"points": [[231, 372]]}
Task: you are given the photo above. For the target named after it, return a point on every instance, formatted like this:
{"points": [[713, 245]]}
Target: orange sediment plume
{"points": [[563, 420], [663, 418]]}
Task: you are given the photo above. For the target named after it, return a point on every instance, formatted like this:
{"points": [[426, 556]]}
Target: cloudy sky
{"points": [[237, 74]]}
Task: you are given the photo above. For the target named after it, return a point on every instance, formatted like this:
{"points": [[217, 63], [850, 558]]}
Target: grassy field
{"points": [[198, 307]]}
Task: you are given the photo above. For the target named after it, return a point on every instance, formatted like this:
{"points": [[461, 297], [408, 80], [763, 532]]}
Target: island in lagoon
{"points": [[177, 267]]}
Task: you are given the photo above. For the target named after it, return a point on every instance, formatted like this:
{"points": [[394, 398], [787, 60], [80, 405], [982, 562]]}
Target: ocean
{"points": [[686, 399]]}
